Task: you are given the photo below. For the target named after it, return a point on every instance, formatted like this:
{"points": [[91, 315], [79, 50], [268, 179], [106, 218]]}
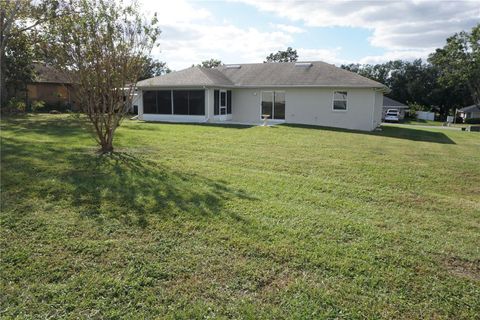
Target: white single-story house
{"points": [[313, 93], [472, 111], [389, 103]]}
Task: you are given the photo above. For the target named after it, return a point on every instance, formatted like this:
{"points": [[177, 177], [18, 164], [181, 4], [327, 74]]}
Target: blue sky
{"points": [[242, 31], [352, 41]]}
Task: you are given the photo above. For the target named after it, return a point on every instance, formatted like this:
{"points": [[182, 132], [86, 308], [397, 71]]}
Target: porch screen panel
{"points": [[216, 103], [196, 102], [180, 102], [229, 102], [149, 102], [164, 101], [279, 107], [267, 103]]}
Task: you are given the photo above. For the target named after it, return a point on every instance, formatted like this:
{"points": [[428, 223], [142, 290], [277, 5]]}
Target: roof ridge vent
{"points": [[303, 64], [232, 66]]}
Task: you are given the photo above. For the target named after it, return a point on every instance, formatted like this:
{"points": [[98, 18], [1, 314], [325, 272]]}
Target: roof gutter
{"points": [[383, 89]]}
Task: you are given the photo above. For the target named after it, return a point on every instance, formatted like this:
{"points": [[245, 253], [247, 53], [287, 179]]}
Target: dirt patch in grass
{"points": [[463, 268]]}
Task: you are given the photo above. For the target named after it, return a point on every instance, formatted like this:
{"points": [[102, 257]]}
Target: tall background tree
{"points": [[458, 61], [212, 63], [450, 78], [21, 31], [103, 45], [153, 68], [288, 55]]}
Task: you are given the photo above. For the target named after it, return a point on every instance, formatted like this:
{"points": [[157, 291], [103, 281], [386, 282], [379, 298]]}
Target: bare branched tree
{"points": [[102, 45]]}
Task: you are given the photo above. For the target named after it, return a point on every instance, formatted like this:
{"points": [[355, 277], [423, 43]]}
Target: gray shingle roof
{"points": [[319, 74], [193, 76], [472, 108], [387, 102]]}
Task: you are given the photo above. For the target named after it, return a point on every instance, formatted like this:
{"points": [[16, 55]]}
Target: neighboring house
{"points": [[314, 93], [472, 111], [51, 86], [393, 104]]}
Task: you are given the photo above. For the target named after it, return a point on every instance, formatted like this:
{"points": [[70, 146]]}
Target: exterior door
{"points": [[273, 105], [223, 104]]}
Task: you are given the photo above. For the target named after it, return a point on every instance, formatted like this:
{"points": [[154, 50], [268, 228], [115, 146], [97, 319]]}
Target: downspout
{"points": [[373, 109], [207, 91]]}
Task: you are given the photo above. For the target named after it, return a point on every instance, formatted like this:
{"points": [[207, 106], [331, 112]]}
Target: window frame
{"points": [[333, 101], [172, 102], [272, 92], [220, 106]]}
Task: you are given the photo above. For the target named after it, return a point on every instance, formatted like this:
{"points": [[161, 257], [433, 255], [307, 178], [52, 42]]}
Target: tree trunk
{"points": [[107, 147], [3, 86], [107, 143]]}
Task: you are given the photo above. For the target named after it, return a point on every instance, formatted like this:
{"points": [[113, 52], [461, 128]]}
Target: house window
{"points": [[229, 102], [273, 104], [340, 101], [216, 104], [164, 102], [149, 102], [179, 102], [196, 102], [279, 105]]}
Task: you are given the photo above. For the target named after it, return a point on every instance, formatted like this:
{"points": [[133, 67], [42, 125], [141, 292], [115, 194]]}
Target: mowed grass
{"points": [[204, 221], [421, 122]]}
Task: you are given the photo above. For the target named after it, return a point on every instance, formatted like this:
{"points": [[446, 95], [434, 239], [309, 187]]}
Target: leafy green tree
{"points": [[212, 63], [153, 68], [19, 57], [288, 55], [102, 46], [459, 61], [415, 82], [21, 23]]}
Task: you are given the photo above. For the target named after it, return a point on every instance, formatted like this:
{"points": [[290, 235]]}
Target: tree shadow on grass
{"points": [[54, 125], [122, 186], [391, 132], [204, 124]]}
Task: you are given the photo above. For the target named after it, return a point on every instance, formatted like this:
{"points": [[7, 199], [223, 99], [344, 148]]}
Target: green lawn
{"points": [[203, 221], [421, 122]]}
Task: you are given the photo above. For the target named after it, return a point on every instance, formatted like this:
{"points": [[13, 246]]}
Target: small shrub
{"points": [[16, 105], [38, 105], [472, 120], [414, 107]]}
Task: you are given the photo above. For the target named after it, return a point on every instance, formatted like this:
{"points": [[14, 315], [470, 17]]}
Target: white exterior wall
{"points": [[378, 113], [246, 105], [313, 106], [473, 115], [139, 103]]}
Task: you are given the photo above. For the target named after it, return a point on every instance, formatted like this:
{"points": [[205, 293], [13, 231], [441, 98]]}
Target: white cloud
{"points": [[191, 34], [397, 55], [287, 28], [397, 25], [405, 29], [327, 55], [174, 12]]}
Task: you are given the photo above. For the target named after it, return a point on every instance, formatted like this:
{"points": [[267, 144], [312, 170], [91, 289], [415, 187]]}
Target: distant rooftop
{"points": [[472, 108], [388, 102]]}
